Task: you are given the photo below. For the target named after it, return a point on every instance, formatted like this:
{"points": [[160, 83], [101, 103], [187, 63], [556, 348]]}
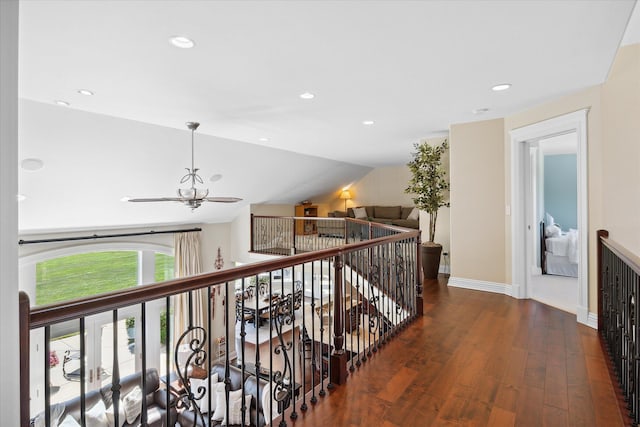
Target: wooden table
{"points": [[257, 306]]}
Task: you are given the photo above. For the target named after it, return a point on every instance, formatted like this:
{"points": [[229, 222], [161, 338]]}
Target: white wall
{"points": [[215, 236], [9, 337]]}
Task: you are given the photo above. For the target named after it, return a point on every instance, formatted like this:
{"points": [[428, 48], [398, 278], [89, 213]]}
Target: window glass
{"points": [[81, 275], [164, 267]]}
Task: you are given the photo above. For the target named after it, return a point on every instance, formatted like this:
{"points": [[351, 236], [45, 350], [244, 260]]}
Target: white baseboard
{"points": [[480, 285], [583, 315], [592, 320]]}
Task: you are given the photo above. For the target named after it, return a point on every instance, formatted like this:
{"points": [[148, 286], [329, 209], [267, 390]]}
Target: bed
{"points": [[558, 250]]}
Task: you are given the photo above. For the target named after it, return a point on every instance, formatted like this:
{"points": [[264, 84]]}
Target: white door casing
{"points": [[571, 122]]}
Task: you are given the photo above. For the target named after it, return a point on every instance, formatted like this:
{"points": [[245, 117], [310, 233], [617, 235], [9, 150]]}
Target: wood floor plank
{"points": [[554, 417], [477, 359], [397, 384], [501, 418]]}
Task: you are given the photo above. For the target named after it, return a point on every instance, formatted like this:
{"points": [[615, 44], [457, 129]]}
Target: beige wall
{"points": [[621, 149], [382, 186], [589, 99], [477, 201], [385, 186], [613, 130]]}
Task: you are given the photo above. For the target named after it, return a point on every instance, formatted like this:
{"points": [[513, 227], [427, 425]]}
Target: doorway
{"points": [[526, 210], [552, 209]]}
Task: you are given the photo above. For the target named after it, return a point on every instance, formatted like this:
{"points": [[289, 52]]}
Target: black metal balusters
{"points": [[619, 312]]}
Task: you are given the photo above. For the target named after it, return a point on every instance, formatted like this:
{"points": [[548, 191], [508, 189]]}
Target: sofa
{"points": [[156, 404], [252, 386], [394, 215]]}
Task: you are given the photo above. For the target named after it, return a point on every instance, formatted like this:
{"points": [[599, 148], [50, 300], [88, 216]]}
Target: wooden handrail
{"points": [[44, 316], [621, 252], [82, 307]]}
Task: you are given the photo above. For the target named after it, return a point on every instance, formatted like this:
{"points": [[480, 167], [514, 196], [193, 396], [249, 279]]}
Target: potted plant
{"points": [[429, 184], [130, 324]]}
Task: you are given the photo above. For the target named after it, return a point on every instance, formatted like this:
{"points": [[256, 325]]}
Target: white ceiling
{"points": [[413, 67]]}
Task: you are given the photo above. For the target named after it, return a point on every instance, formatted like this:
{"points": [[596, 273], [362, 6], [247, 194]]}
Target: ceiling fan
{"points": [[192, 197]]}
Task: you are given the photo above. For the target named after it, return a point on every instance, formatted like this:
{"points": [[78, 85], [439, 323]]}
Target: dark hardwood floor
{"points": [[478, 359]]}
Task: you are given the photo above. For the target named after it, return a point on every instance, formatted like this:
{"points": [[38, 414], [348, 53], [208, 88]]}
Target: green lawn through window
{"points": [[92, 273]]}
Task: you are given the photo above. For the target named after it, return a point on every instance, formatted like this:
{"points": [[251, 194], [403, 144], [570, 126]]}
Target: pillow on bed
{"points": [[552, 231], [548, 219]]}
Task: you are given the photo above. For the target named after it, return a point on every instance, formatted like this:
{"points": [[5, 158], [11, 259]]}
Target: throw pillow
{"points": [[552, 231], [269, 404], [55, 411], [200, 390], [548, 219], [235, 407], [69, 421], [132, 404], [97, 416], [111, 415], [414, 215], [360, 213]]}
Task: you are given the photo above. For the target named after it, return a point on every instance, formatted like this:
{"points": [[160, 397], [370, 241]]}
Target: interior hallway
{"points": [[478, 359]]}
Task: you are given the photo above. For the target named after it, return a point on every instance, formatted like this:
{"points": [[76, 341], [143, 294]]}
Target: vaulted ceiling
{"points": [[410, 67]]}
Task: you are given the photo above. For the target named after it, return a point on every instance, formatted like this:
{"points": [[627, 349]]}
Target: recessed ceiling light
{"points": [[480, 110], [501, 86], [216, 177], [263, 139], [32, 164], [367, 122], [20, 197], [181, 42], [86, 92], [307, 95], [62, 103]]}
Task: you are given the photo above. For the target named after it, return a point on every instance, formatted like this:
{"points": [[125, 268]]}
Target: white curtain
{"points": [[188, 263]]}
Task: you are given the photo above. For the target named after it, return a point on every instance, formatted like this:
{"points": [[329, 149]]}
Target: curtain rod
{"points": [[106, 236]]}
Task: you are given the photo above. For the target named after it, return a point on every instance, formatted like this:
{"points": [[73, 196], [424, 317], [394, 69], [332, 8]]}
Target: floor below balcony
{"points": [[479, 359]]}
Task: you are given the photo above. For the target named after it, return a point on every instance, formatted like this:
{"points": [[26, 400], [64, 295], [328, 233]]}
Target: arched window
{"points": [[85, 270]]}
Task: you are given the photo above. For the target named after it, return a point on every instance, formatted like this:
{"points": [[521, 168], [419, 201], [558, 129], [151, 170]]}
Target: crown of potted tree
{"points": [[429, 186]]}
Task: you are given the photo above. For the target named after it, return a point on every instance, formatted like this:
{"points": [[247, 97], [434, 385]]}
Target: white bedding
{"points": [[562, 254]]}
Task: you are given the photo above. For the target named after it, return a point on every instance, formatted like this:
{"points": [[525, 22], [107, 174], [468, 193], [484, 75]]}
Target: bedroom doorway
{"points": [[552, 206], [527, 215]]}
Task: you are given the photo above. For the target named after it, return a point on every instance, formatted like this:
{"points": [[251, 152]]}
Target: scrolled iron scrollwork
{"points": [[400, 269], [374, 283], [197, 338], [282, 314]]}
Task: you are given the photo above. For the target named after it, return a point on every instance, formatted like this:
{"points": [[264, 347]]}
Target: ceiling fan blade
{"points": [[222, 199], [157, 199]]}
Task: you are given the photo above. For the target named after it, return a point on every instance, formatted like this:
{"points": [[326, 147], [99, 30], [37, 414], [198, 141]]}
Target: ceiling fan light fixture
{"points": [[192, 196], [193, 193]]}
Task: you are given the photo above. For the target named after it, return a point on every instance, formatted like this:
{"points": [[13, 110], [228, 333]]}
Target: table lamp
{"points": [[346, 195]]}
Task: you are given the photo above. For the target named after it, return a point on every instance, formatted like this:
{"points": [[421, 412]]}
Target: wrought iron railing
{"points": [[275, 235], [618, 316], [281, 331]]}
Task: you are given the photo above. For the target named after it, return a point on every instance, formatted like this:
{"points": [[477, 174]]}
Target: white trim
{"points": [[9, 337], [444, 269], [480, 285], [571, 122], [582, 315], [592, 320], [94, 247]]}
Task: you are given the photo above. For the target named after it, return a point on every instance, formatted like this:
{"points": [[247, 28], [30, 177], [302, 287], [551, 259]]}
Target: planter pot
{"points": [[430, 253], [131, 333]]}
